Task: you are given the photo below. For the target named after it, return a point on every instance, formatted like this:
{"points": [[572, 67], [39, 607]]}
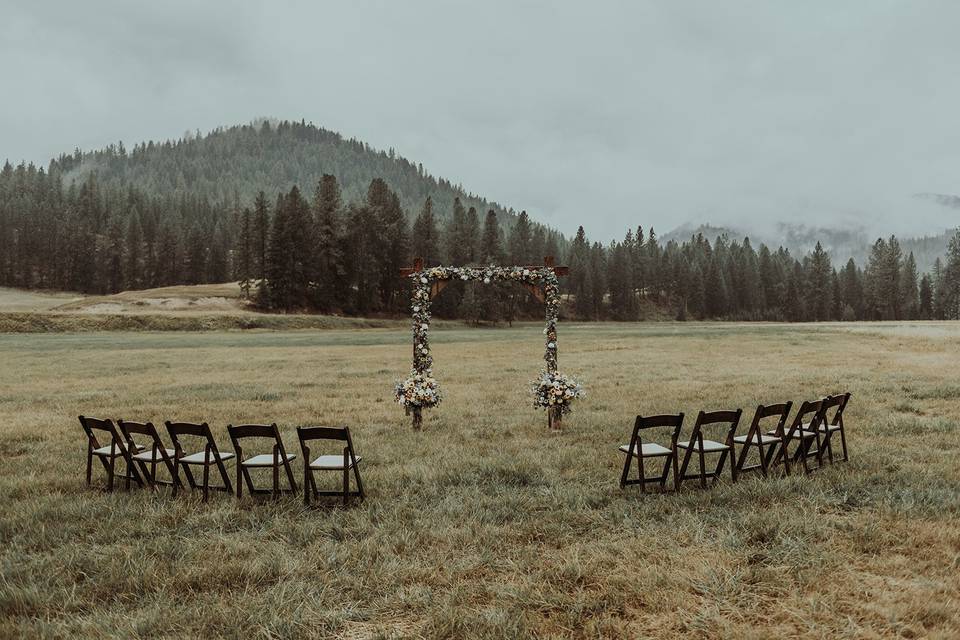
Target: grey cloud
{"points": [[610, 114]]}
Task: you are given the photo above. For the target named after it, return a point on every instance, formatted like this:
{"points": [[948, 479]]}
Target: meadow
{"points": [[484, 524]]}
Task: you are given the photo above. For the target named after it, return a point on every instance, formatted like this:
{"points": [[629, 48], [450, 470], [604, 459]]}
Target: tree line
{"points": [[317, 251]]}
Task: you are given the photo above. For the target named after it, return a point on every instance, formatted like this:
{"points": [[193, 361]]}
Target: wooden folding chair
{"points": [[835, 424], [108, 454], [209, 457], [766, 443], [147, 461], [643, 450], [804, 430], [274, 460], [345, 462], [702, 446]]}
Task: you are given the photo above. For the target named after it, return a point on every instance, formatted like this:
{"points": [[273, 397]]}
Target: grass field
{"points": [[484, 524]]}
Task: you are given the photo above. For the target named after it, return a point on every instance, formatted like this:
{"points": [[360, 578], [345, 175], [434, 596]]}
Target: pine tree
{"points": [[909, 294], [133, 267], [925, 310], [519, 242], [470, 308], [244, 271], [394, 249], [820, 283], [951, 279], [491, 251], [328, 268], [261, 235], [426, 237], [715, 288], [471, 236]]}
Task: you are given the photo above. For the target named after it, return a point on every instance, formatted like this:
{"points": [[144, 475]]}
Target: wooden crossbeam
{"points": [[548, 262]]}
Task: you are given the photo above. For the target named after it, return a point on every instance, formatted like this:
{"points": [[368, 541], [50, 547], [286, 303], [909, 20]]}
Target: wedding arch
{"points": [[552, 391]]}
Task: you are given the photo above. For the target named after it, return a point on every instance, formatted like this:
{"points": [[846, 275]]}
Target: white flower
{"points": [[551, 345], [486, 280], [424, 280], [416, 309]]}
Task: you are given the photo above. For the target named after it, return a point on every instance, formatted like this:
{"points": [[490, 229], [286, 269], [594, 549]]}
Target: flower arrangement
{"points": [[418, 390], [554, 390], [421, 390]]}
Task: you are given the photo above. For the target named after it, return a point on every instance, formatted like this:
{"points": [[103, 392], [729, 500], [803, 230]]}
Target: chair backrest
{"points": [[260, 431], [340, 434], [642, 423], [809, 413], [838, 403], [92, 425], [202, 430], [129, 429], [729, 420], [779, 411]]}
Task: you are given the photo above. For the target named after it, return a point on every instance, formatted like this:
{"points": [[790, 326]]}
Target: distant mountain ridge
{"points": [[841, 244], [231, 164]]}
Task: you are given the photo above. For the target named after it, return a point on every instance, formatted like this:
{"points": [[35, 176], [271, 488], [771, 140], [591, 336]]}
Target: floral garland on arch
{"points": [[420, 390]]}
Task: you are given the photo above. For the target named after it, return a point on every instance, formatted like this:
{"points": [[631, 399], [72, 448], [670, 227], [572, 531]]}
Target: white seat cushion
{"points": [[264, 460], [330, 462], [105, 451], [708, 445], [147, 456], [648, 449], [765, 439], [825, 427], [800, 433], [200, 456]]}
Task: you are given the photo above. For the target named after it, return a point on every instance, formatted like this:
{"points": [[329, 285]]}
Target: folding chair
{"points": [[349, 460], [147, 460], [274, 460], [108, 454], [804, 430], [835, 424], [643, 450], [766, 443], [702, 446], [210, 456]]}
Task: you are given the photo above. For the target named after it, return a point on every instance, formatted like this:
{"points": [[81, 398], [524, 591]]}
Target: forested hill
{"points": [[233, 164]]}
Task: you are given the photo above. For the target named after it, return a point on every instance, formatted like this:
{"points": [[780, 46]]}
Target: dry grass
{"points": [[484, 525]]}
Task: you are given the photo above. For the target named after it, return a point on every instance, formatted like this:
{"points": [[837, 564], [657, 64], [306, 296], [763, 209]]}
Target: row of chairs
{"points": [[139, 447], [809, 436]]}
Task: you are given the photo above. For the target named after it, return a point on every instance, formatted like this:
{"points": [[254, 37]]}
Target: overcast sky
{"points": [[606, 114]]}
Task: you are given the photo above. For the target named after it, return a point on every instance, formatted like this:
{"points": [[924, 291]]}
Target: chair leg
{"points": [[665, 475], [239, 481], [110, 472], [206, 482], [306, 484], [626, 471], [683, 468], [843, 443], [703, 470], [224, 475], [290, 479], [763, 460], [356, 476], [642, 474], [346, 485], [276, 482], [733, 467], [676, 470], [89, 466]]}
